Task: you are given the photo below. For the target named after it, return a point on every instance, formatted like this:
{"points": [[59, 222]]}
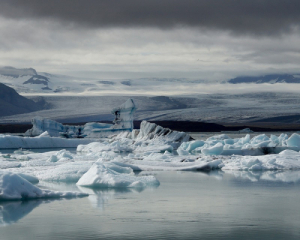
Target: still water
{"points": [[186, 205]]}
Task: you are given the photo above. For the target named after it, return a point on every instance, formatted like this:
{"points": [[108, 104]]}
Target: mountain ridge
{"points": [[12, 103], [270, 78]]}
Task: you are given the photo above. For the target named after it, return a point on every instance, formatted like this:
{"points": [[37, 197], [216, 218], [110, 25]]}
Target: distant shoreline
{"points": [[184, 126]]}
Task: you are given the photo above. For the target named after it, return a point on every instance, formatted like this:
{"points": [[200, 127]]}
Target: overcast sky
{"points": [[202, 39]]}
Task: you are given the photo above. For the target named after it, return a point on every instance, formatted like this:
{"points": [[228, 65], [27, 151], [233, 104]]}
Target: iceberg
{"points": [[258, 145], [293, 141], [150, 138], [270, 176], [111, 162], [124, 115], [109, 175], [104, 167], [123, 122], [214, 150], [156, 135], [14, 187], [68, 172], [246, 130], [42, 141]]}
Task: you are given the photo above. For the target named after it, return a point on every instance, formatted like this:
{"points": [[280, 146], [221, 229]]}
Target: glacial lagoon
{"points": [[204, 204], [186, 205]]}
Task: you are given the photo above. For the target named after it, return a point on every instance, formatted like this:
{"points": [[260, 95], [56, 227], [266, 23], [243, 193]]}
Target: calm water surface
{"points": [[186, 205]]}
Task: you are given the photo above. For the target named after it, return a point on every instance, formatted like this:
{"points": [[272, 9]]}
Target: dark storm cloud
{"points": [[259, 17]]}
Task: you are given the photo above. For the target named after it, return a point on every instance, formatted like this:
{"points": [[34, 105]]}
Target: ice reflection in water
{"points": [[12, 211], [98, 198], [187, 205]]}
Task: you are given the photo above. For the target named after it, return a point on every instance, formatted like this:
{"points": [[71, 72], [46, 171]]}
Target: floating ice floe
{"points": [[153, 138], [246, 130], [270, 176], [258, 145], [69, 172], [111, 163], [42, 141], [286, 160], [114, 170], [110, 175], [123, 122], [15, 187]]}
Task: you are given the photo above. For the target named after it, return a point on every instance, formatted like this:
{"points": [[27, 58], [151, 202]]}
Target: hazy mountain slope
{"points": [[15, 73], [30, 81], [12, 103], [272, 78]]}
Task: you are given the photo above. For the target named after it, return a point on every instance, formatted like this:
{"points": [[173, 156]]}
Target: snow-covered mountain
{"points": [[31, 82], [272, 78], [15, 73], [28, 80], [157, 99]]}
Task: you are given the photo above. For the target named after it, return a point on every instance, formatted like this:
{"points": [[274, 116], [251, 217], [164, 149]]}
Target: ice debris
{"points": [[258, 145]]}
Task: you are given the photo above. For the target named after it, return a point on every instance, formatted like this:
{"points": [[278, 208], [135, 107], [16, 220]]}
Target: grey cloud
{"points": [[258, 17]]}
